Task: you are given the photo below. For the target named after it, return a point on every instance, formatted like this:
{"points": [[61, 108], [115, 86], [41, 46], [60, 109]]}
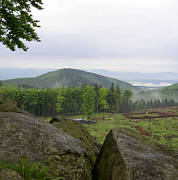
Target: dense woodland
{"points": [[86, 100]]}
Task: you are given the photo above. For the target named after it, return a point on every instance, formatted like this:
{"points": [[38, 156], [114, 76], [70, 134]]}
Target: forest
{"points": [[86, 100]]}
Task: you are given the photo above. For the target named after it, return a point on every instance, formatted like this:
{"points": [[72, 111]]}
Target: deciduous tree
{"points": [[88, 100], [17, 23]]}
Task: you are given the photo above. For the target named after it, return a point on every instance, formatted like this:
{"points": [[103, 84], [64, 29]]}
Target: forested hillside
{"points": [[69, 78]]}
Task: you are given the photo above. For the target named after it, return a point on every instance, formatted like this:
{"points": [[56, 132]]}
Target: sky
{"points": [[116, 35]]}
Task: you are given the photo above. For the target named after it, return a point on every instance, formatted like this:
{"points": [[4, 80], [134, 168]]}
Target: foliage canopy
{"points": [[17, 24]]}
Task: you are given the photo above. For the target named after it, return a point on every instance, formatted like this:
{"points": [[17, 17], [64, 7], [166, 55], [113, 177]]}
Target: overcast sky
{"points": [[119, 35]]}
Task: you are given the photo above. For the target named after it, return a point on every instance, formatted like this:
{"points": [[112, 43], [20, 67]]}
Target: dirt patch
{"points": [[142, 131], [157, 137], [151, 115], [170, 137]]}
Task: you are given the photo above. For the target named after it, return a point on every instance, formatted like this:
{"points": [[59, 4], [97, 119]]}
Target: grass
{"points": [[161, 133], [27, 170], [154, 131], [145, 114]]}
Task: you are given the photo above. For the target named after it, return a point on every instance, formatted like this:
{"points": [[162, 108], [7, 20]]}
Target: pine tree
{"points": [[103, 100], [118, 98]]}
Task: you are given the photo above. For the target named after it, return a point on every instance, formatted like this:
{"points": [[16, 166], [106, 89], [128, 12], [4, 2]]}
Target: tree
{"points": [[117, 96], [111, 98], [97, 88], [88, 100], [103, 92], [60, 101], [71, 100], [126, 99], [17, 23]]}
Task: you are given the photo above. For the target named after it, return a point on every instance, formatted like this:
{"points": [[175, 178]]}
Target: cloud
{"points": [[150, 84], [128, 35], [78, 16]]}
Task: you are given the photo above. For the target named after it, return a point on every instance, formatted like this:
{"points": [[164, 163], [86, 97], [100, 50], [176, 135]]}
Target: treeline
{"points": [[72, 100], [157, 103]]}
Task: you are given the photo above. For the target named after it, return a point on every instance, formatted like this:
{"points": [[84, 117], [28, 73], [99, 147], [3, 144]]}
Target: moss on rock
{"points": [[79, 132]]}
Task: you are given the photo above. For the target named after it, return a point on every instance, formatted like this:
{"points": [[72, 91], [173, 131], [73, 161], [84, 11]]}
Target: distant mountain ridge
{"points": [[69, 77]]}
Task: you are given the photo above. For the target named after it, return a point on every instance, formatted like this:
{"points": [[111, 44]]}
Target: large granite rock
{"points": [[22, 136], [122, 157], [79, 132], [7, 174]]}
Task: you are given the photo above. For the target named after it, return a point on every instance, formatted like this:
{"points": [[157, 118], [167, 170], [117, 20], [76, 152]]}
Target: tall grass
{"points": [[28, 170]]}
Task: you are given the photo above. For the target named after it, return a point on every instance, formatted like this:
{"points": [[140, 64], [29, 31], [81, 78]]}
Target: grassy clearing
{"points": [[162, 132]]}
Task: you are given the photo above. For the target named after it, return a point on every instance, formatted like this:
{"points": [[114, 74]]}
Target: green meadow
{"points": [[156, 127]]}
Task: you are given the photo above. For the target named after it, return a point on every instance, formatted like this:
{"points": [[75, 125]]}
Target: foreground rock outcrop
{"points": [[79, 132], [22, 136], [122, 157]]}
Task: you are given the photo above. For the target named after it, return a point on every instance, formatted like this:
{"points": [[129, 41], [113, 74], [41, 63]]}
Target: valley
{"points": [[145, 127]]}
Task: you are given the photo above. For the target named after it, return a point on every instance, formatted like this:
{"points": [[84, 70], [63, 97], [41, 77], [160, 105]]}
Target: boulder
{"points": [[122, 157], [78, 131], [22, 136], [8, 105], [7, 174]]}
